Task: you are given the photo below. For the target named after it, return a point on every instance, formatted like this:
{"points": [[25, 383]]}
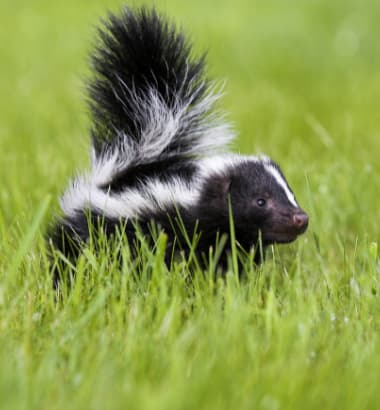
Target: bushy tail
{"points": [[149, 98]]}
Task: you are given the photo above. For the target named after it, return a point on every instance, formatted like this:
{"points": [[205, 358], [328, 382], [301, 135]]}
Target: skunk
{"points": [[159, 151]]}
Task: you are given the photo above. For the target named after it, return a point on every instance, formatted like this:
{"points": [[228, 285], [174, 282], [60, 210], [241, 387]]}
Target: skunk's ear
{"points": [[217, 188]]}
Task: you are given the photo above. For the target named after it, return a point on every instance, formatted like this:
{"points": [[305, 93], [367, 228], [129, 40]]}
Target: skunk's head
{"points": [[261, 201]]}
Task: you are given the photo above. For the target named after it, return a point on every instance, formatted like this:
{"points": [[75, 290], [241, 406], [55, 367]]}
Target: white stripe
{"points": [[152, 196], [207, 132], [280, 180], [222, 164]]}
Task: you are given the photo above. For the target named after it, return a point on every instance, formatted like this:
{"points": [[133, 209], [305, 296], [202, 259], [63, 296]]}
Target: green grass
{"points": [[302, 332]]}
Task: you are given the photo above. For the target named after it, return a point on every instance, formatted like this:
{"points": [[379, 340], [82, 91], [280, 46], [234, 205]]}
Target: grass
{"points": [[302, 332]]}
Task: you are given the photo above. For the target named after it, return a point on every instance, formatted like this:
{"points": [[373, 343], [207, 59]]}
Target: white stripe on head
{"points": [[281, 181], [221, 164]]}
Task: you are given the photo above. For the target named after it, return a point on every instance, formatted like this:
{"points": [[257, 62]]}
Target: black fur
{"points": [[162, 170]]}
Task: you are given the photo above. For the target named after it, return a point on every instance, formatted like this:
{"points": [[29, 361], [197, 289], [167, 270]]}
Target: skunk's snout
{"points": [[301, 221]]}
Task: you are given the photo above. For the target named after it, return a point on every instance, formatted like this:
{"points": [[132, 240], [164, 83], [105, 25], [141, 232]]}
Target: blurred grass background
{"points": [[302, 85]]}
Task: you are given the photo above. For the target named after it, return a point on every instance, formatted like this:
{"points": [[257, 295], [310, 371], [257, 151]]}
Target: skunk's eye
{"points": [[261, 202]]}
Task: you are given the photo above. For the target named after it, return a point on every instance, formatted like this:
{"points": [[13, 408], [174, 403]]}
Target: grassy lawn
{"points": [[302, 332]]}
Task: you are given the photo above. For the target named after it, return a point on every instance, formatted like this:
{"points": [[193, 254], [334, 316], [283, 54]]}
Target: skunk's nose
{"points": [[301, 220]]}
